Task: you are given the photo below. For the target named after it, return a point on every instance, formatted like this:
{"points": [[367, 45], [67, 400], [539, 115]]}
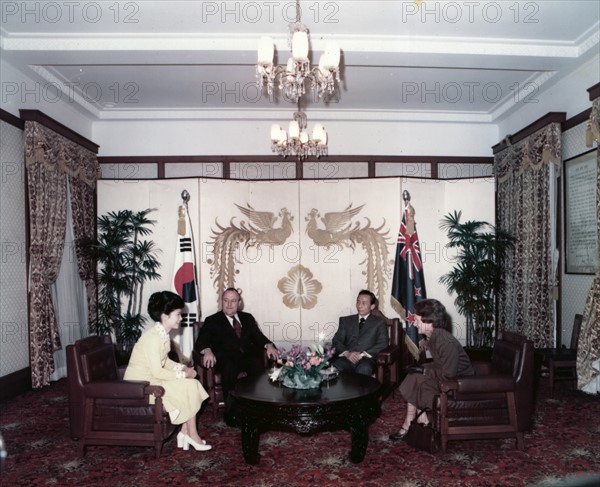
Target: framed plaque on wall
{"points": [[581, 221]]}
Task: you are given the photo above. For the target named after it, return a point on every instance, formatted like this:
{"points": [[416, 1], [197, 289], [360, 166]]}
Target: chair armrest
{"points": [[126, 389], [474, 384], [204, 374], [389, 355], [156, 391]]}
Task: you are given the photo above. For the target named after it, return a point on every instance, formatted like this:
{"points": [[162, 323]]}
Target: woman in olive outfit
{"points": [[449, 360]]}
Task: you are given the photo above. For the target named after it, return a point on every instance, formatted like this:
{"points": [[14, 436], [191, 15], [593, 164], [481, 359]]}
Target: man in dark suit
{"points": [[231, 341], [360, 337]]}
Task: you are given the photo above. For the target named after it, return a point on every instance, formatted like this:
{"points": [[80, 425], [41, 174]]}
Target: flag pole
{"points": [[408, 286], [185, 196]]}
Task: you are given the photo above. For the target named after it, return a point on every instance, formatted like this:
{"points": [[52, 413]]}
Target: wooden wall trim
{"points": [[11, 119], [59, 128], [14, 384], [274, 158], [594, 91], [540, 123], [576, 120]]}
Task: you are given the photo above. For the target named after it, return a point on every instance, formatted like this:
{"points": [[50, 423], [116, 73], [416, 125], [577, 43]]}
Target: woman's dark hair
{"points": [[163, 302], [432, 311]]}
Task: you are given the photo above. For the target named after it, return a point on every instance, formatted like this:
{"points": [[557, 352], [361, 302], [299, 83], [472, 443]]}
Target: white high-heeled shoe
{"points": [[187, 441], [180, 437]]}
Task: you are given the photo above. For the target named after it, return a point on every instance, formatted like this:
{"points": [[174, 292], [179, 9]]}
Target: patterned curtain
{"points": [[50, 159], [522, 172], [588, 351], [84, 227]]}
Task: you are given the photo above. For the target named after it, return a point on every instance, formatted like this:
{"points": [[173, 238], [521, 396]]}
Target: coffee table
{"points": [[349, 402]]}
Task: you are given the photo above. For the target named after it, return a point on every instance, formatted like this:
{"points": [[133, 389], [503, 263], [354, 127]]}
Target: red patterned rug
{"points": [[562, 449]]}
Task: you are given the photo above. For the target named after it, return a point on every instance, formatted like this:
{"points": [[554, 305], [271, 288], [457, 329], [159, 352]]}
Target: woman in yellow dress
{"points": [[149, 361]]}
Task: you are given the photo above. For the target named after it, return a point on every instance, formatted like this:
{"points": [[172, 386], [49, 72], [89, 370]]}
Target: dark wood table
{"points": [[349, 402]]}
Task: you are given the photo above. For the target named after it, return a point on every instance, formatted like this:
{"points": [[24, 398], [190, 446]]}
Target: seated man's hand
{"points": [[271, 351], [354, 357], [415, 369], [208, 358]]}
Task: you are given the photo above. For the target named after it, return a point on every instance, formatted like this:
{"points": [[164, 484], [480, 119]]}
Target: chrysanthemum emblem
{"points": [[299, 288]]}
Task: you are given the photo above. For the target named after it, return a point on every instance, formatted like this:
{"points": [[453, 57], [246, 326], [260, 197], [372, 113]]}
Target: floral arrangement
{"points": [[300, 367]]}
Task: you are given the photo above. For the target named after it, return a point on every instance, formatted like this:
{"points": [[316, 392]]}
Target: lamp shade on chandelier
{"points": [[296, 141]]}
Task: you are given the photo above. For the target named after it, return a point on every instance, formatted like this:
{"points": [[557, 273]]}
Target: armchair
{"points": [[561, 363], [389, 359], [104, 410], [495, 403]]}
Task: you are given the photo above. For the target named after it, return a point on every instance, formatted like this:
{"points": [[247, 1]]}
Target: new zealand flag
{"points": [[408, 286]]}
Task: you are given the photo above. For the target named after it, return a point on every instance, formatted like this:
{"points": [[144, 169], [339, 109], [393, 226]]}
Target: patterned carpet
{"points": [[562, 449]]}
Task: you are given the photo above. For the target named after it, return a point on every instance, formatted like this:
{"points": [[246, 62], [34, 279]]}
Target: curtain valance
{"points": [[57, 153], [532, 152]]}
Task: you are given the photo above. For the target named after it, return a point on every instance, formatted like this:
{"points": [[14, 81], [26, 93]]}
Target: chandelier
{"points": [[293, 77], [296, 141]]}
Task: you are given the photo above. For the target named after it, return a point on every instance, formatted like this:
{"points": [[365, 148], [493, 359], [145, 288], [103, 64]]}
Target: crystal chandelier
{"points": [[296, 141], [293, 77]]}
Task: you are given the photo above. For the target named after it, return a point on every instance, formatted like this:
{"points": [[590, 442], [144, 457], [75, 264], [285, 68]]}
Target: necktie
{"points": [[361, 322], [237, 327]]}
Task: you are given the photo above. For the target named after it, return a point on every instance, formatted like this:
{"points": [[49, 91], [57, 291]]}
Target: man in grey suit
{"points": [[360, 337]]}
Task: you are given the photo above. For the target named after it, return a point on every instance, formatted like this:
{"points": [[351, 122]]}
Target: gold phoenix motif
{"points": [[299, 287]]}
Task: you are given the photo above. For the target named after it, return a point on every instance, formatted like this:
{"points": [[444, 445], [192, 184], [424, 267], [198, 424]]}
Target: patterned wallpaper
{"points": [[14, 345], [575, 287]]}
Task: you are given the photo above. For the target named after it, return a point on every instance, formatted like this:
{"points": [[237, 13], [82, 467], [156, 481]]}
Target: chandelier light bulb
{"points": [[332, 56], [317, 134], [300, 46], [291, 68], [275, 132], [323, 141], [266, 51], [282, 137], [294, 130]]}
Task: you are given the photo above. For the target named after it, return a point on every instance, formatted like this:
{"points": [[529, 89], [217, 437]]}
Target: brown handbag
{"points": [[421, 436]]}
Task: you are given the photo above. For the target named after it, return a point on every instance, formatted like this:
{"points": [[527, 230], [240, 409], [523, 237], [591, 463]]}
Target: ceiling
{"points": [[401, 60]]}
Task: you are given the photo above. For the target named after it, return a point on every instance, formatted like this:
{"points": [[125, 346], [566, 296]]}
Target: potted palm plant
{"points": [[477, 276], [125, 262]]}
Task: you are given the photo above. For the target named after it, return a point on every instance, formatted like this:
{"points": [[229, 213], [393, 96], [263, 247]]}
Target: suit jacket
{"points": [[218, 335], [373, 337]]}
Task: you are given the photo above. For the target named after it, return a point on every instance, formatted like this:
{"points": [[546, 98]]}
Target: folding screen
{"points": [[301, 250]]}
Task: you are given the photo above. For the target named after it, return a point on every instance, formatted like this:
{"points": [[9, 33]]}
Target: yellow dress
{"points": [[149, 361]]}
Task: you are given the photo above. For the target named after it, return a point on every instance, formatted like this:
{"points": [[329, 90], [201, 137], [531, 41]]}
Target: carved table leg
{"points": [[360, 439], [250, 438]]}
